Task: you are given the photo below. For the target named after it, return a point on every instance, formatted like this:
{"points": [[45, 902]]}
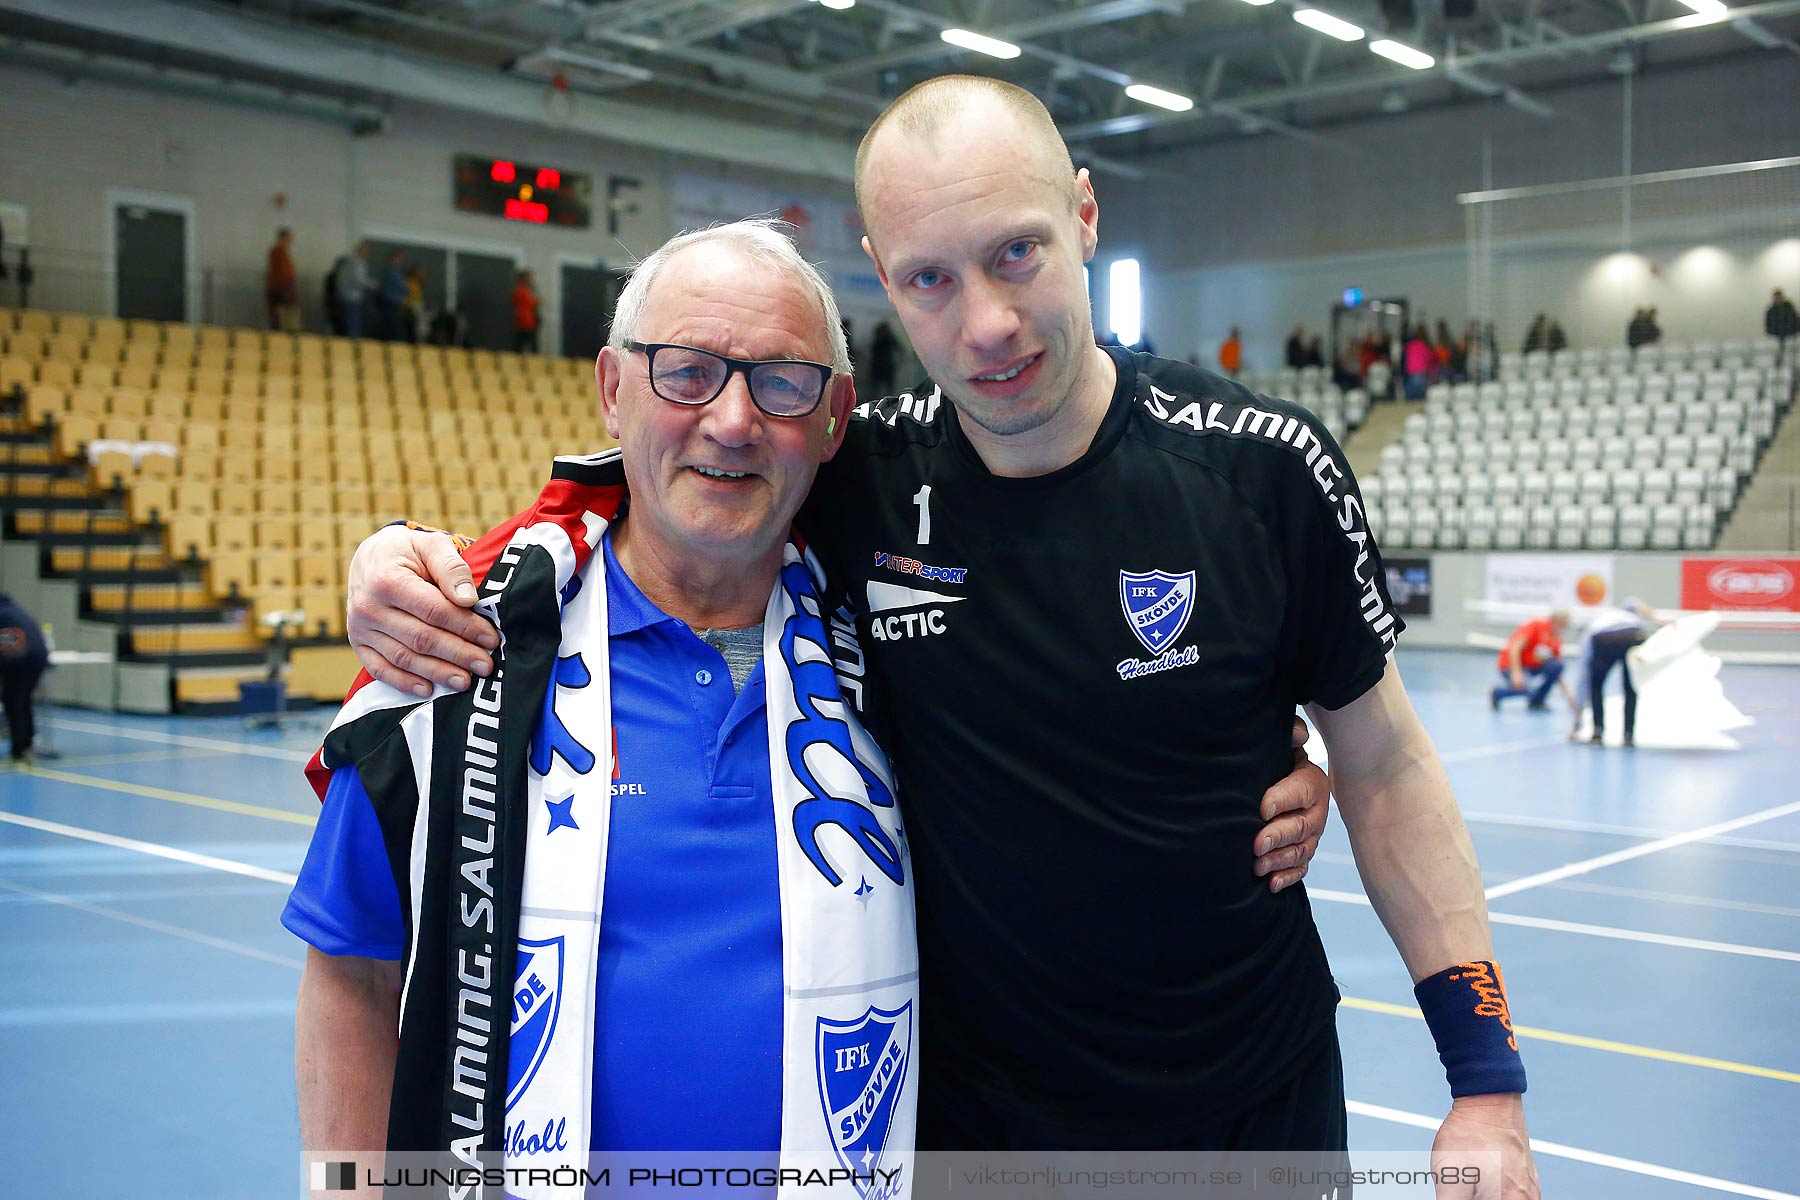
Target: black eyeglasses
{"points": [[781, 387]]}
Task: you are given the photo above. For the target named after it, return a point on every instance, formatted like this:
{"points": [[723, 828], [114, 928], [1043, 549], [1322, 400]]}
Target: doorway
{"points": [[151, 243], [589, 293]]}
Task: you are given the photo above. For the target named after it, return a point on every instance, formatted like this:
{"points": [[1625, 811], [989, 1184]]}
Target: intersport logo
{"points": [[1754, 582]]}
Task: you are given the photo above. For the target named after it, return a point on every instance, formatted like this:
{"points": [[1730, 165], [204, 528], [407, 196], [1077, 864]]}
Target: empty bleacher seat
{"points": [[1600, 527]]}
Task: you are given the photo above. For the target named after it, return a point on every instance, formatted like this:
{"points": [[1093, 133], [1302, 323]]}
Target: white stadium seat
{"points": [[1634, 527], [1571, 527], [1601, 532], [1666, 526]]}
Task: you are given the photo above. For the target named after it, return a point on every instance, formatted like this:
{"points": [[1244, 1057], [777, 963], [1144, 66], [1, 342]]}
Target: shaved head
{"points": [[926, 112]]}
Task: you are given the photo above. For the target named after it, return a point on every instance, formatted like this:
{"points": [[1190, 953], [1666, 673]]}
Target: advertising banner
{"points": [[1409, 584], [1550, 580], [1741, 584]]}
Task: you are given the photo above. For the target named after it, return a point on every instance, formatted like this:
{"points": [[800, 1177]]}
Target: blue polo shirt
{"points": [[687, 1051]]}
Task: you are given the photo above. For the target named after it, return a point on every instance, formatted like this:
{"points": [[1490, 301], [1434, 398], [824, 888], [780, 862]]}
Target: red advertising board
{"points": [[1741, 584]]}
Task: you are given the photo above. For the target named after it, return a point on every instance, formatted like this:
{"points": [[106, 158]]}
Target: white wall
{"points": [[65, 146], [1264, 232]]}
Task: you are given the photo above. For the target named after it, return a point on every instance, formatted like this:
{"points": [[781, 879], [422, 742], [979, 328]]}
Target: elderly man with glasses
{"points": [[664, 741]]}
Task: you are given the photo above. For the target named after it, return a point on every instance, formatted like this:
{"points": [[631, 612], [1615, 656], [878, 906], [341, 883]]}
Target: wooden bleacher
{"points": [[287, 449]]}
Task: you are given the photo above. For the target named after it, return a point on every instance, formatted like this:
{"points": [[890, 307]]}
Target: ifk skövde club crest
{"points": [[862, 1071], [1157, 606], [537, 1002]]}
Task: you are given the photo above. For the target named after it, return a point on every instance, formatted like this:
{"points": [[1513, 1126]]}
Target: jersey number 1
{"points": [[923, 500]]}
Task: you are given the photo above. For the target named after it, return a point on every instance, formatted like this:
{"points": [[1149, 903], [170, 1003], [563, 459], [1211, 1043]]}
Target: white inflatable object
{"points": [[1681, 703]]}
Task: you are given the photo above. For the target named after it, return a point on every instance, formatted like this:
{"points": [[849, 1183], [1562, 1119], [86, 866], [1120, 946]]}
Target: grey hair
{"points": [[764, 239]]}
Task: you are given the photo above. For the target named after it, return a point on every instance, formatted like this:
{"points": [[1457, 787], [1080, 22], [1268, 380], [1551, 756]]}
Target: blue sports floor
{"points": [[1646, 907]]}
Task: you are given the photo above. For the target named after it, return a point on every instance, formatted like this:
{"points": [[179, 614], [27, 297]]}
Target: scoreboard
{"points": [[519, 191]]}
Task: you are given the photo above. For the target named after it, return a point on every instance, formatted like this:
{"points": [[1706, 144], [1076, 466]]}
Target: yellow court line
{"points": [[141, 756], [1593, 1043], [174, 797]]}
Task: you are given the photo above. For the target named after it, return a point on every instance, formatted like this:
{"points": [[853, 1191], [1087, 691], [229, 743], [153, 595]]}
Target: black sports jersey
{"points": [[1089, 678]]}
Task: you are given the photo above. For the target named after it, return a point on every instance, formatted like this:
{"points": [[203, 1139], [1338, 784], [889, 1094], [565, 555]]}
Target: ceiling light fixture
{"points": [[1329, 25], [838, 4], [1712, 9], [1403, 54], [1157, 96], [980, 42]]}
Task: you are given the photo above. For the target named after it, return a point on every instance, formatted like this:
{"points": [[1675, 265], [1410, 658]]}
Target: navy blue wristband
{"points": [[1466, 1008]]}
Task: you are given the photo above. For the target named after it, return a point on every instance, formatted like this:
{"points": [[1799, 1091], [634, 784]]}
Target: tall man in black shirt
{"points": [[1091, 587]]}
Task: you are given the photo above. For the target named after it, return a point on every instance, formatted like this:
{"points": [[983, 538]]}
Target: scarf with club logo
{"points": [[498, 1008]]}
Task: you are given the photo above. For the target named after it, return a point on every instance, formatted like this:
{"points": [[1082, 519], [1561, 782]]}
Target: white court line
{"points": [[192, 935], [1638, 935], [1474, 752], [1575, 826], [1610, 932], [179, 739], [160, 851], [1607, 889], [1577, 1154], [1618, 856]]}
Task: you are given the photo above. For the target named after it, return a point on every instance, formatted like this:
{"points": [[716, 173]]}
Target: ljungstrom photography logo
{"points": [[334, 1177]]}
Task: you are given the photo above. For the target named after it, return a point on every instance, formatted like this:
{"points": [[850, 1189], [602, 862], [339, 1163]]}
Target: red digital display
{"points": [[521, 191]]}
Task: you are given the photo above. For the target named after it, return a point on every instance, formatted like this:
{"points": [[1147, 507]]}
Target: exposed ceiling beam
{"points": [[772, 77], [1381, 79], [1102, 13], [73, 64], [1759, 33], [353, 64], [726, 18], [1482, 86]]}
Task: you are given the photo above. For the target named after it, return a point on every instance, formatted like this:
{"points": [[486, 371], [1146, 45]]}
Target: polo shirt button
{"points": [[702, 677]]}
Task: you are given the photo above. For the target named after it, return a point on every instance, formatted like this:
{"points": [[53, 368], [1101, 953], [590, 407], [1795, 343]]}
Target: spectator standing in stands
{"points": [[1537, 335], [1368, 353], [334, 305], [1231, 353], [281, 285], [1461, 350], [1296, 348], [353, 289], [414, 307], [1416, 362], [884, 359], [1315, 353], [1634, 331], [1555, 339], [1534, 650], [1611, 634], [23, 657], [1441, 348], [1780, 321], [390, 298], [525, 315]]}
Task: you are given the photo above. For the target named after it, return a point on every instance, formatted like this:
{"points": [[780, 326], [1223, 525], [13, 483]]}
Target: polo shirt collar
{"points": [[627, 608]]}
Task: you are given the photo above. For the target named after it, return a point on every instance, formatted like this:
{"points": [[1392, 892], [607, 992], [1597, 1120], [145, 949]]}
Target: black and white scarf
{"points": [[503, 922]]}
